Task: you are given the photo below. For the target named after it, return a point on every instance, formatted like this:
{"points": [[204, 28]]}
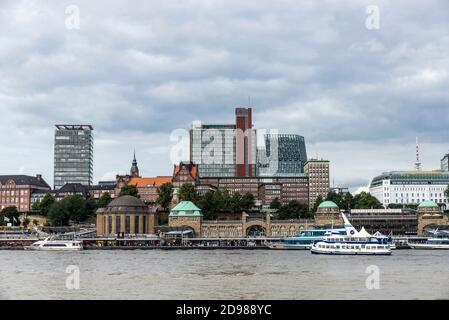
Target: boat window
{"points": [[54, 245]]}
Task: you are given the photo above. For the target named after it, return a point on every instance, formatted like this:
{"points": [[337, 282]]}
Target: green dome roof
{"points": [[186, 208], [428, 204], [328, 204]]}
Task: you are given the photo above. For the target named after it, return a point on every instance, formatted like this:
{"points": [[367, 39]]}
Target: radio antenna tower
{"points": [[418, 162]]}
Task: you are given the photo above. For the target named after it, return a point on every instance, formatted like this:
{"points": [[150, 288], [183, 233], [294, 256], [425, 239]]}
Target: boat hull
{"points": [[53, 249], [424, 246], [282, 246], [352, 253]]}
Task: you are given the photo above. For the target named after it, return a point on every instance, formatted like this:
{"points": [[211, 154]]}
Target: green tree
{"points": [[11, 214], [294, 210], [318, 201], [73, 208], [348, 201], [104, 200], [236, 201], [275, 204], [335, 197], [247, 201], [218, 200], [226, 201], [207, 203], [58, 214], [446, 192], [44, 206], [365, 200], [165, 195], [187, 192], [129, 190], [36, 206]]}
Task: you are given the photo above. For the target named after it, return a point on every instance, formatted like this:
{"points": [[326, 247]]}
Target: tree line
{"points": [[212, 201], [77, 209]]}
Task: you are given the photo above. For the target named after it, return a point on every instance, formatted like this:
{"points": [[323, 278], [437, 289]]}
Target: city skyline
{"points": [[162, 76]]}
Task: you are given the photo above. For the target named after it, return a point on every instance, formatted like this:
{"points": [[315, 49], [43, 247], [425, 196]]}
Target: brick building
{"points": [[319, 181], [16, 190], [185, 172]]}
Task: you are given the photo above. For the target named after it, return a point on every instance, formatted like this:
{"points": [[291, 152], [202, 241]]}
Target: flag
{"points": [[6, 219]]}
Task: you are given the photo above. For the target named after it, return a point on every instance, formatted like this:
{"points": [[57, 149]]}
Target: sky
{"points": [[360, 83]]}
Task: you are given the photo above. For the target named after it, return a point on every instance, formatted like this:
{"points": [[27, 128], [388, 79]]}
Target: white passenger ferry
{"points": [[439, 241], [56, 245], [352, 243], [304, 239]]}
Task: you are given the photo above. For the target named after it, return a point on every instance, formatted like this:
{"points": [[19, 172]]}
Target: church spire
{"points": [[134, 167]]}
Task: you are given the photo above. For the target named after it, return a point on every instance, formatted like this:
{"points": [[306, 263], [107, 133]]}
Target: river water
{"points": [[222, 274]]}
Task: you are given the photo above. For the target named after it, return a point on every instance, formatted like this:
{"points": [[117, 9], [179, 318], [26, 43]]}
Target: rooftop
{"points": [[148, 182], [127, 201], [74, 126], [37, 181], [428, 204], [186, 208], [328, 204]]}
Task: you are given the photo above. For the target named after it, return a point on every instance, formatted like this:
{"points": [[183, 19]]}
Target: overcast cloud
{"points": [[136, 70]]}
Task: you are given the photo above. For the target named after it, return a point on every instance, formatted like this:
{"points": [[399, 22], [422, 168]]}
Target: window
{"points": [[136, 224], [117, 224], [127, 224]]}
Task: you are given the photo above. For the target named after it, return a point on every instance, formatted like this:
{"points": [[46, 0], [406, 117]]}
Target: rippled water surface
{"points": [[222, 274]]}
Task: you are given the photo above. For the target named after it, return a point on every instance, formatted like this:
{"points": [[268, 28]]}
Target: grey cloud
{"points": [[139, 71]]}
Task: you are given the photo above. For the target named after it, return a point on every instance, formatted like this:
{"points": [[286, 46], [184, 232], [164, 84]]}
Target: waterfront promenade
{"points": [[17, 242]]}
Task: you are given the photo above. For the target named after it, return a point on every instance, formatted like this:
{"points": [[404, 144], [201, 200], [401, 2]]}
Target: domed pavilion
{"points": [[126, 214]]}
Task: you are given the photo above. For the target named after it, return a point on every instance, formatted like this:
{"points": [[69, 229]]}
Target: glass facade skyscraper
{"points": [[212, 147], [283, 155], [73, 155]]}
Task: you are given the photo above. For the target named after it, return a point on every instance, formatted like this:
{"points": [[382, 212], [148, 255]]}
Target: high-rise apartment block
{"points": [[73, 155], [319, 182]]}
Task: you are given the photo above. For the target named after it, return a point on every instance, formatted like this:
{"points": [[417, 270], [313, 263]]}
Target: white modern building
{"points": [[410, 187]]}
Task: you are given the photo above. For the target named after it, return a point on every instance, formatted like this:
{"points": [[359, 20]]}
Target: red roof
{"points": [[148, 182]]}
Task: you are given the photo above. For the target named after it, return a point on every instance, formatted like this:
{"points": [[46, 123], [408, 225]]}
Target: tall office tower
{"points": [[216, 149], [319, 182], [245, 143], [73, 157], [445, 163], [283, 155], [212, 148]]}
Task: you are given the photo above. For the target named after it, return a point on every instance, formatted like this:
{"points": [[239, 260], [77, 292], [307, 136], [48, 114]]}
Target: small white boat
{"points": [[56, 245], [352, 243], [431, 244]]}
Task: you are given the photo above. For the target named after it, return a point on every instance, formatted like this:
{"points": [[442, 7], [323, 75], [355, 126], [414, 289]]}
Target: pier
{"points": [[145, 242]]}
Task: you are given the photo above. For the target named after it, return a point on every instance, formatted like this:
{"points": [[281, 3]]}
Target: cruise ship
{"points": [[352, 243]]}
